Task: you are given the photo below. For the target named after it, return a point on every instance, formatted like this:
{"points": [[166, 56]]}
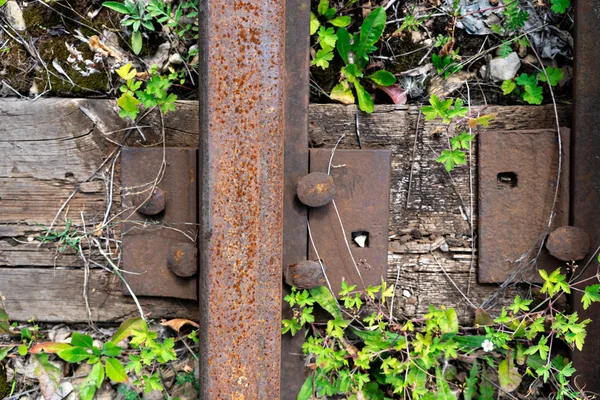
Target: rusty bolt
{"points": [[153, 205], [305, 275], [568, 243], [316, 189], [181, 260]]}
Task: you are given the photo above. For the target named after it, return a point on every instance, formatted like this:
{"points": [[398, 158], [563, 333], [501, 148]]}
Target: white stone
{"points": [[14, 15], [406, 293], [502, 69], [176, 59]]}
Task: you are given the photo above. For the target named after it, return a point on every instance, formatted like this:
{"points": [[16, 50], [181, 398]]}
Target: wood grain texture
{"points": [[50, 147]]}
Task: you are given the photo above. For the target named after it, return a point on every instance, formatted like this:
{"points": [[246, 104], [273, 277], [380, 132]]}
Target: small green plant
{"points": [[527, 86], [411, 23], [164, 13], [147, 353], [363, 352], [327, 36], [354, 51], [560, 6], [154, 94], [68, 238], [451, 110], [136, 17], [446, 64]]}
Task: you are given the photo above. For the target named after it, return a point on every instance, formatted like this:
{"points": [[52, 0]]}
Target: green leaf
{"points": [[4, 323], [343, 43], [49, 347], [127, 327], [540, 348], [80, 340], [22, 349], [290, 325], [5, 350], [365, 101], [470, 387], [327, 37], [314, 23], [74, 354], [342, 93], [322, 58], [323, 7], [508, 87], [325, 299], [533, 94], [116, 6], [382, 78], [486, 390], [451, 158], [443, 389], [111, 350], [554, 74], [508, 375], [92, 382], [462, 141], [505, 49], [352, 73], [526, 80], [335, 327], [128, 104], [3, 2], [592, 294], [115, 370], [136, 42], [560, 6], [306, 391], [341, 21], [370, 32]]}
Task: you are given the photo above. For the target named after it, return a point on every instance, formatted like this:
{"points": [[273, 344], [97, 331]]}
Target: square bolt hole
{"points": [[507, 179], [360, 238]]}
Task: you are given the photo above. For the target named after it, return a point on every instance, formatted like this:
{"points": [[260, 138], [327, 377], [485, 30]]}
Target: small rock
{"points": [[34, 90], [14, 16], [160, 57], [502, 69], [59, 334], [483, 71], [522, 51], [176, 59], [444, 247], [406, 293], [530, 59], [416, 233], [416, 37], [65, 391]]}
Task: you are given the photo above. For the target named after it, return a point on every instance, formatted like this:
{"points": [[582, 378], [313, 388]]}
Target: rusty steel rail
{"points": [[241, 189], [585, 193]]}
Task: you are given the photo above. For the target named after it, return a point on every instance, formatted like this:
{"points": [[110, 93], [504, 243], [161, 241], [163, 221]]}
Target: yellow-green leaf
{"points": [[115, 370], [127, 327], [342, 93]]}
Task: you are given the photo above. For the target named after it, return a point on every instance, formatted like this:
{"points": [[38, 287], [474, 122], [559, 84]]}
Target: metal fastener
{"points": [[305, 275], [153, 205], [316, 189], [181, 259], [568, 243]]}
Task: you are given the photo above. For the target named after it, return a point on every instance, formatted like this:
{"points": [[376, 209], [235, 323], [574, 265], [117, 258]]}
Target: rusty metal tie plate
{"points": [[156, 245], [362, 182], [517, 182]]}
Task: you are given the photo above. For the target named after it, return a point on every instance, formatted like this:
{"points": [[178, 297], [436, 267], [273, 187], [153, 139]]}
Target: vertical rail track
{"points": [[585, 190], [241, 174]]}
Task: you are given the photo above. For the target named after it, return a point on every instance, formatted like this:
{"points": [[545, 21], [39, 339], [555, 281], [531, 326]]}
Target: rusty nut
{"points": [[316, 189], [305, 275], [182, 260], [568, 243], [153, 205]]}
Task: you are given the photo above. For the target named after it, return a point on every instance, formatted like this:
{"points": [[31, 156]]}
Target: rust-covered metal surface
{"points": [[168, 226], [517, 182], [297, 62], [241, 165], [362, 181], [585, 198]]}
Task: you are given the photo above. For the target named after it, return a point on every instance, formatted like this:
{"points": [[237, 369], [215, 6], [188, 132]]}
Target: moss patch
{"points": [[54, 48]]}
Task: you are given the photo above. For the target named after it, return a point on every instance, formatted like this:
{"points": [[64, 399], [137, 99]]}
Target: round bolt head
{"points": [[305, 275], [181, 260], [153, 205], [316, 189], [568, 243]]}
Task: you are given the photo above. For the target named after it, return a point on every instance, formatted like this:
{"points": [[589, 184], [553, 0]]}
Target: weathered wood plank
{"points": [[57, 295], [48, 148]]}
